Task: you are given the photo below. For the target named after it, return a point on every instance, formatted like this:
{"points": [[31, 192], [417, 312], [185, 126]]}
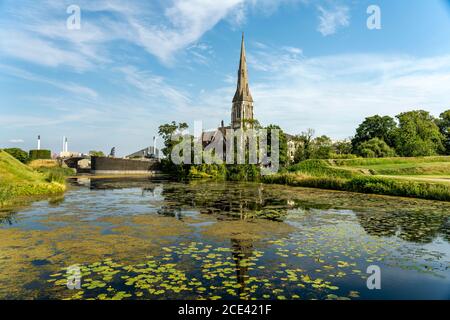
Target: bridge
{"points": [[72, 162]]}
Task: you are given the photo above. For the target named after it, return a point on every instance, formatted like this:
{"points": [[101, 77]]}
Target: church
{"points": [[242, 116]]}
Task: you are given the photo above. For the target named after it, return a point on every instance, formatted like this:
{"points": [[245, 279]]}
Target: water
{"points": [[155, 239]]}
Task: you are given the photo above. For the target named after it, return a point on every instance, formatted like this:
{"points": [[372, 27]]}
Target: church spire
{"points": [[243, 91]]}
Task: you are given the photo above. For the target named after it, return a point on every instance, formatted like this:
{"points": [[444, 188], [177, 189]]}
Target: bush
{"points": [[19, 154], [56, 174], [320, 168], [375, 148], [40, 154]]}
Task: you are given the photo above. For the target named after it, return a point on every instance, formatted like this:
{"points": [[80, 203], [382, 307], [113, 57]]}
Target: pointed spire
{"points": [[243, 91]]}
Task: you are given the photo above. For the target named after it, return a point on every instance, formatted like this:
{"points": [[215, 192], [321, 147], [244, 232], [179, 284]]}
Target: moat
{"points": [[157, 239]]}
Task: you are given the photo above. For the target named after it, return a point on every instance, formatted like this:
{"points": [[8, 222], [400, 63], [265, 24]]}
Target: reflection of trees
{"points": [[445, 230], [122, 183], [422, 227], [241, 250], [243, 201], [8, 218]]}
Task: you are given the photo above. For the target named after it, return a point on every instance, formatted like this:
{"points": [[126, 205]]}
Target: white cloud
{"points": [[155, 87], [16, 141], [66, 86], [333, 94], [332, 18], [37, 33]]}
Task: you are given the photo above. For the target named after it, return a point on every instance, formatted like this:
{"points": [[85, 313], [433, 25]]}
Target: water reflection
{"points": [[223, 235], [250, 201], [8, 218], [242, 250]]}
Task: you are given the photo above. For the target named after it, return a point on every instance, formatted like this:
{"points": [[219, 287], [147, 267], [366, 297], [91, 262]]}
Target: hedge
{"points": [[40, 154]]}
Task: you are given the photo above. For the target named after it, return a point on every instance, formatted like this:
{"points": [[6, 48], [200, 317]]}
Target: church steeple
{"points": [[242, 111], [242, 91]]}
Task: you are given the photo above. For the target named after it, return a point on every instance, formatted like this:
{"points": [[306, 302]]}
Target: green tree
{"points": [[417, 135], [19, 154], [375, 127], [304, 142], [375, 148], [342, 147], [321, 148], [166, 131], [444, 126], [283, 147]]}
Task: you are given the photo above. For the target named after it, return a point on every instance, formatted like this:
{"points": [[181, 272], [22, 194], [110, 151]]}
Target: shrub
{"points": [[40, 154], [320, 168], [19, 154], [375, 148]]}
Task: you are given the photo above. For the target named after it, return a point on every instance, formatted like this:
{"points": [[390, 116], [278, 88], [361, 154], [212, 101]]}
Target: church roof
{"points": [[242, 91]]}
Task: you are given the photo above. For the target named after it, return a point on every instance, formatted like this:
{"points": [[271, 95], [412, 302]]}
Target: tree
{"points": [[375, 148], [94, 153], [303, 141], [342, 147], [444, 126], [166, 131], [417, 135], [283, 148], [375, 127], [321, 148], [19, 154]]}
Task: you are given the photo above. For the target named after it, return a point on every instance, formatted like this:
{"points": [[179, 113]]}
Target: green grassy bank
{"points": [[426, 178], [19, 181]]}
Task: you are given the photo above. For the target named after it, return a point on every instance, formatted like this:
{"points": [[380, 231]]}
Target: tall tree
{"points": [[304, 141], [283, 149], [342, 147], [418, 135], [375, 127], [321, 148], [444, 126]]}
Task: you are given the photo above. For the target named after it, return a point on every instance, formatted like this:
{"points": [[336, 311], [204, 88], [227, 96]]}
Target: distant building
{"points": [[149, 152], [69, 154]]}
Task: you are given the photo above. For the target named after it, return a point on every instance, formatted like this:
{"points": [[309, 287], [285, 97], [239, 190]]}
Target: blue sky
{"points": [[134, 65]]}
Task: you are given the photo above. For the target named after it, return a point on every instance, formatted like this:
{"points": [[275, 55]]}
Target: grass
{"points": [[390, 176], [19, 181]]}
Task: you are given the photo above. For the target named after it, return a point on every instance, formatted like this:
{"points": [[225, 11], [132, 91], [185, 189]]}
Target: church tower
{"points": [[242, 111]]}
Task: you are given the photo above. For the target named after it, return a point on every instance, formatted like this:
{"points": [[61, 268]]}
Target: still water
{"points": [[156, 239]]}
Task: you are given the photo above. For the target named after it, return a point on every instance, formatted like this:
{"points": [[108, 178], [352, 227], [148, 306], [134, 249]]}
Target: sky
{"points": [[134, 65]]}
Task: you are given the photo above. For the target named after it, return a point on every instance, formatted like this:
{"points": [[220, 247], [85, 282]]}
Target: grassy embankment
{"points": [[19, 182], [425, 177]]}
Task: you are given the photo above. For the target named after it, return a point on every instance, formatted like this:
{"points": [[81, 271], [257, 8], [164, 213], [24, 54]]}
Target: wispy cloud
{"points": [[16, 141], [66, 86], [333, 18], [155, 87], [38, 34], [334, 93]]}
